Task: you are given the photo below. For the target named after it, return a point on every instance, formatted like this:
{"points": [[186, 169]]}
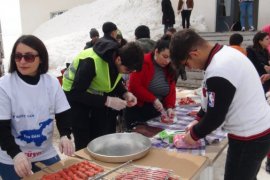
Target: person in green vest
{"points": [[94, 88]]}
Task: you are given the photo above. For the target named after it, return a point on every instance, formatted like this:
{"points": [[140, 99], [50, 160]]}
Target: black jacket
{"points": [[259, 58], [88, 44], [168, 17], [106, 47]]}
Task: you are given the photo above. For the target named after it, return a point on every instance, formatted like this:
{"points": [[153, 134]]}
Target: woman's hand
{"points": [[22, 165], [265, 77], [171, 113], [267, 68], [66, 146], [158, 105]]}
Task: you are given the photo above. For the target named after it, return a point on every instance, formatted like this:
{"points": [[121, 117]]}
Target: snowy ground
{"points": [[66, 35]]}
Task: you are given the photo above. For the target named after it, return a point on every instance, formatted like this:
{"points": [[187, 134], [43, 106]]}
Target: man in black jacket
{"points": [[94, 88]]}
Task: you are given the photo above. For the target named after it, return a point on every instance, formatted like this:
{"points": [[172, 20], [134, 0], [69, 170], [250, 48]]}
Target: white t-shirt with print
{"points": [[31, 109]]}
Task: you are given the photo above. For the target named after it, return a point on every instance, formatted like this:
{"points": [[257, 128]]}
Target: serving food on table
{"points": [[79, 171]]}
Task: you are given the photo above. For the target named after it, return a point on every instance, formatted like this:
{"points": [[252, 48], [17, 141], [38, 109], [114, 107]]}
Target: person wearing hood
{"points": [[94, 88], [94, 35], [142, 36]]}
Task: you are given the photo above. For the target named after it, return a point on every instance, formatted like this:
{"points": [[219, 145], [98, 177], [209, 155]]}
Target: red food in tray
{"points": [[144, 174], [79, 171], [187, 101], [166, 119]]}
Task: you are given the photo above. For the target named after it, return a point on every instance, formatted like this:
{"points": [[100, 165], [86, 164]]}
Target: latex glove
{"points": [[66, 146], [190, 125], [116, 103], [188, 139], [130, 98], [22, 165], [170, 113], [158, 105]]}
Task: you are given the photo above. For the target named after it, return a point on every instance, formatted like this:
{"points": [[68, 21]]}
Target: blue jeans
{"points": [[7, 172], [246, 9], [244, 158]]}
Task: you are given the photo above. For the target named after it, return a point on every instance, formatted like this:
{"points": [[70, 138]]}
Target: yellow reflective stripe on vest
{"points": [[101, 82]]}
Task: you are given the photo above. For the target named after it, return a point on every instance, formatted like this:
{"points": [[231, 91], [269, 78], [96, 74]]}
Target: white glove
{"points": [[22, 165], [115, 103], [158, 105], [130, 98], [66, 146], [170, 113]]}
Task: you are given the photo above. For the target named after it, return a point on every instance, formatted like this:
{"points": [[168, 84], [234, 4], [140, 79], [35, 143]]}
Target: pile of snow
{"points": [[65, 35]]}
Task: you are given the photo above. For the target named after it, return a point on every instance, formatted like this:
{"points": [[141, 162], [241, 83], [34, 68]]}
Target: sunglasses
{"points": [[27, 57]]}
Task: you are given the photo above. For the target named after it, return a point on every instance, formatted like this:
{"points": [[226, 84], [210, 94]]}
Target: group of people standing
{"points": [[93, 94], [184, 7]]}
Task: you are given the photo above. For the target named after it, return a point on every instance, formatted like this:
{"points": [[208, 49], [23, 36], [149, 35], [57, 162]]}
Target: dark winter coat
{"points": [[259, 58], [146, 44], [168, 17], [89, 44]]}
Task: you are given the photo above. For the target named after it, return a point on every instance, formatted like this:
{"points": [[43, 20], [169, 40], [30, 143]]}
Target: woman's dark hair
{"points": [[36, 44], [259, 36], [162, 44]]}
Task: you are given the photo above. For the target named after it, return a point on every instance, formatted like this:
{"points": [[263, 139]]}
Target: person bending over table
{"points": [[154, 86], [30, 100], [233, 98], [94, 87]]}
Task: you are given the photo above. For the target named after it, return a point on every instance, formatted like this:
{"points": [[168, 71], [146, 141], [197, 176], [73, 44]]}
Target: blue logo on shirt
{"points": [[35, 135]]}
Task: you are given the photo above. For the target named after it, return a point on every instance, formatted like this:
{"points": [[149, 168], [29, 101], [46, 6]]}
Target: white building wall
{"points": [[41, 9], [263, 14]]}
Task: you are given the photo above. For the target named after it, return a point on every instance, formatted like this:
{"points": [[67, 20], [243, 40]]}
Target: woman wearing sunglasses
{"points": [[30, 99], [154, 86]]}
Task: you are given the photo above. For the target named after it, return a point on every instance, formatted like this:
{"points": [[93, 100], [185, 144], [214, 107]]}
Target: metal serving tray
{"points": [[119, 147]]}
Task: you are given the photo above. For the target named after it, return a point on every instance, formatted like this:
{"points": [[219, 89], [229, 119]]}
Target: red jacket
{"points": [[139, 82]]}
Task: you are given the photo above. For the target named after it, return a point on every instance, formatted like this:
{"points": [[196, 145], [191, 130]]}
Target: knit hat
{"points": [[108, 27], [142, 31], [93, 32]]}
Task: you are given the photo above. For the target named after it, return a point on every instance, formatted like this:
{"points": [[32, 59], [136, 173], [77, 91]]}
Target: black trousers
{"points": [[139, 114], [166, 26], [244, 158], [186, 18], [90, 123]]}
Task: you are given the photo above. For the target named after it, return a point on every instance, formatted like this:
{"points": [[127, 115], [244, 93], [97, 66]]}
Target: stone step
{"points": [[223, 37], [194, 79]]}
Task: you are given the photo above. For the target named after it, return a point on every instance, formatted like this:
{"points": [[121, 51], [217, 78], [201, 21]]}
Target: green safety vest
{"points": [[101, 82]]}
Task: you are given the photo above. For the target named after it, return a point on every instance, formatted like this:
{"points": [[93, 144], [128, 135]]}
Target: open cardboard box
{"points": [[186, 166]]}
